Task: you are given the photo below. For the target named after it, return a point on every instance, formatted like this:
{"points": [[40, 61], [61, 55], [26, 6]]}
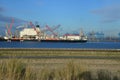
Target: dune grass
{"points": [[19, 69], [12, 69], [15, 69]]}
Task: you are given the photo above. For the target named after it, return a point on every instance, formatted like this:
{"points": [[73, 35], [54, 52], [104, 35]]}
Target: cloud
{"points": [[8, 19], [108, 14]]}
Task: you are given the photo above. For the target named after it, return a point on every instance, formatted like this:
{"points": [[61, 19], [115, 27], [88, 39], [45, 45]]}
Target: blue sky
{"points": [[90, 15]]}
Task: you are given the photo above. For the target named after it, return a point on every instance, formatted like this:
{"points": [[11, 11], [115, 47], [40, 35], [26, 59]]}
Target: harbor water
{"points": [[87, 45]]}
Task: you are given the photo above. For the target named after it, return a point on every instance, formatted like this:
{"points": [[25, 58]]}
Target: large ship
{"points": [[34, 33]]}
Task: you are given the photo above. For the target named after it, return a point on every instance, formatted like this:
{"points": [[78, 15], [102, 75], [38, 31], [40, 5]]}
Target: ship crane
{"points": [[52, 30], [37, 31], [9, 33]]}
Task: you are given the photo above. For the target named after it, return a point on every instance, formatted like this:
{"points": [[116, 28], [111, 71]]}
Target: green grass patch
{"points": [[57, 52]]}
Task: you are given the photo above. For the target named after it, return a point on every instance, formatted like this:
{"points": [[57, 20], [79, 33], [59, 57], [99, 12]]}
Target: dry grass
{"points": [[58, 69], [16, 69], [12, 69]]}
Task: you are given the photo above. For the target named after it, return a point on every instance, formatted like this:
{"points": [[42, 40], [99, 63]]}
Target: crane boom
{"points": [[9, 28], [11, 24], [34, 28], [51, 30]]}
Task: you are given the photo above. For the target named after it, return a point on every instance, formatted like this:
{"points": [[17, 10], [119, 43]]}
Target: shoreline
{"points": [[66, 49]]}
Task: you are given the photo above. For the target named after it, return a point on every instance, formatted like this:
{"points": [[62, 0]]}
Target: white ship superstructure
{"points": [[29, 33], [74, 37]]}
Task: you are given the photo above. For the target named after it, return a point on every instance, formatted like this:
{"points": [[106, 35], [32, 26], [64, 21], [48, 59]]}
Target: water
{"points": [[87, 45]]}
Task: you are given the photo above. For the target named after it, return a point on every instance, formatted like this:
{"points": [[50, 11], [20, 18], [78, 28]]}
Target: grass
{"points": [[57, 52], [15, 69], [59, 69], [12, 69]]}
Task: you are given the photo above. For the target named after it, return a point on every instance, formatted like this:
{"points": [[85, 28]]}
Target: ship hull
{"points": [[74, 41], [35, 40]]}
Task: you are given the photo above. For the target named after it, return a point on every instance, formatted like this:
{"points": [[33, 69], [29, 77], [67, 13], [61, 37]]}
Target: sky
{"points": [[72, 15]]}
